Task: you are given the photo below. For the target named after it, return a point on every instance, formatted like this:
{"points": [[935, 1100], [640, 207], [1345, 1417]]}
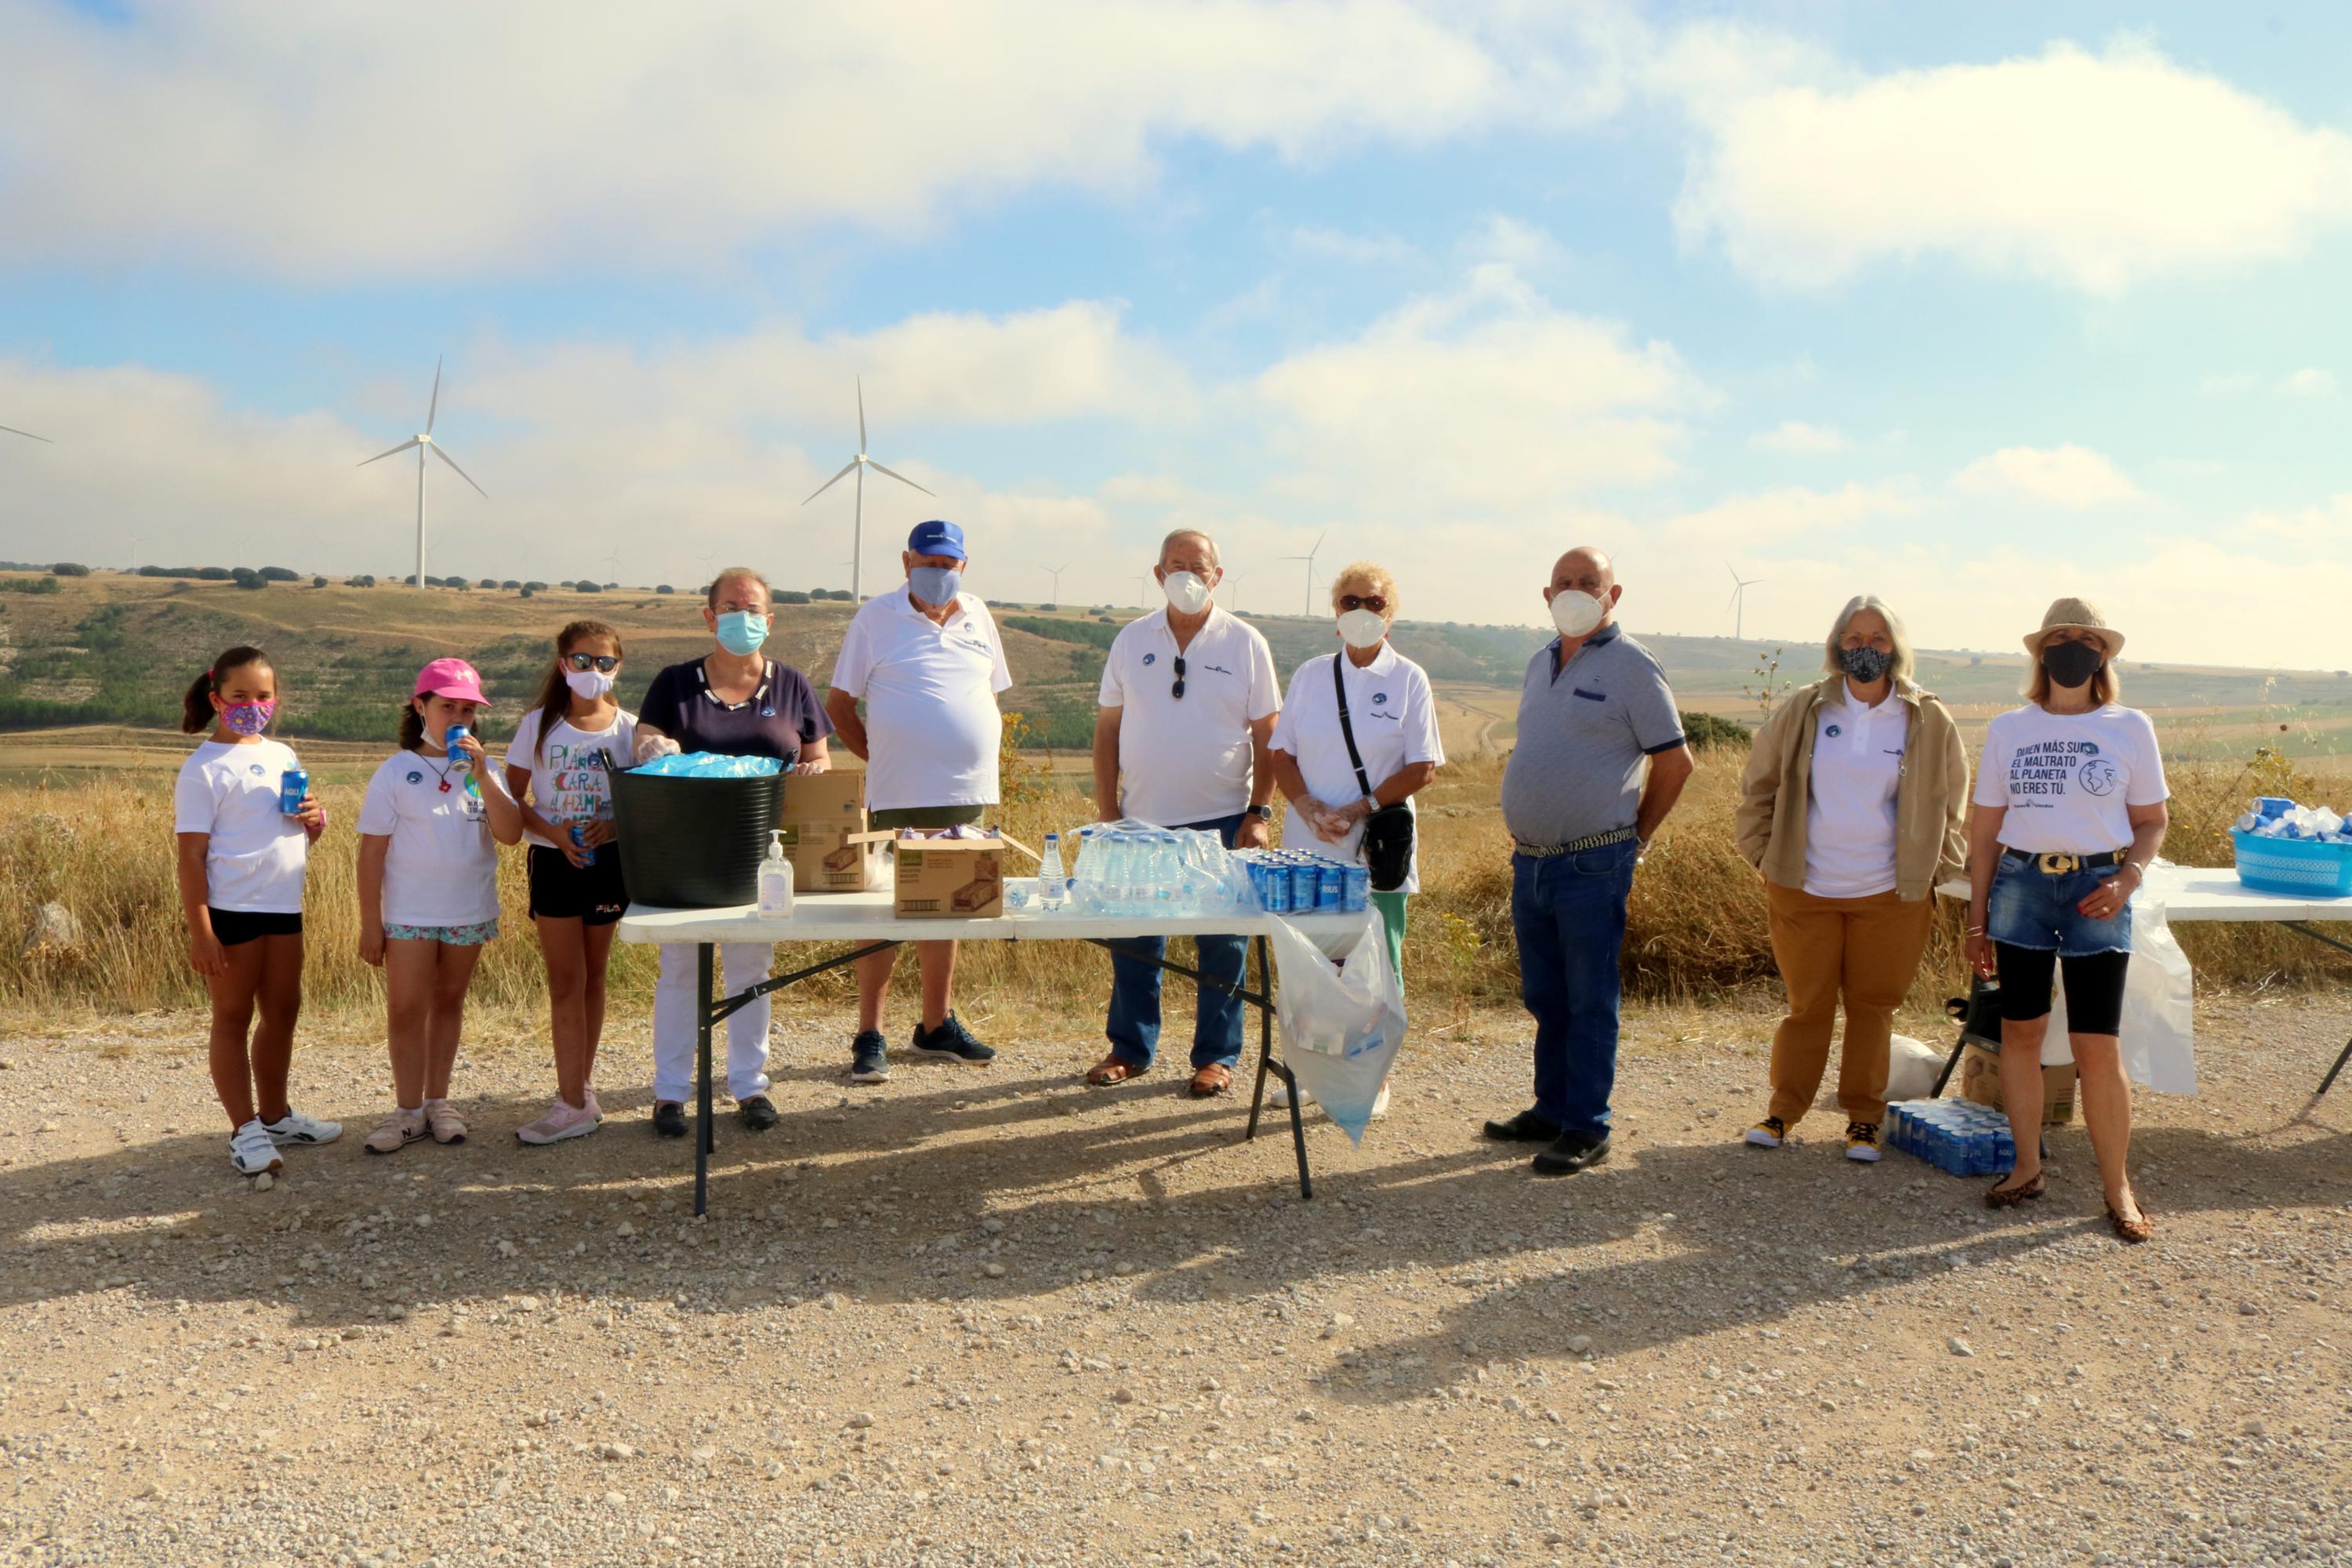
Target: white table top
{"points": [[867, 917], [2213, 893]]}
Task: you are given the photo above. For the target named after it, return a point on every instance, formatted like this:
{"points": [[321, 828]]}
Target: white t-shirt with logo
{"points": [[568, 782], [2068, 780], [1850, 820], [1395, 720], [932, 729], [1187, 759], [256, 857], [443, 867]]}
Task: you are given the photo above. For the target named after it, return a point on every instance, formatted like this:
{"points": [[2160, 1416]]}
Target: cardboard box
{"points": [[948, 879], [822, 815], [1980, 1081]]}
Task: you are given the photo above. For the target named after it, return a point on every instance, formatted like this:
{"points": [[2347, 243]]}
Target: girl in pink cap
{"points": [[429, 831]]}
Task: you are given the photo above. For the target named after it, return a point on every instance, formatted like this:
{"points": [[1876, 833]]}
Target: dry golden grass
{"points": [[104, 851]]}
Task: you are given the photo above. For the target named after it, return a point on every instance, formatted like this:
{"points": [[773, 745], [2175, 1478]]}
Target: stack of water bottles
{"points": [[2283, 848], [1299, 881], [1958, 1137], [1134, 870]]}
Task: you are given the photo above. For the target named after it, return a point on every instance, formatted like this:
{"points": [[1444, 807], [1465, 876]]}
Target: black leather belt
{"points": [[2061, 865], [1576, 845]]}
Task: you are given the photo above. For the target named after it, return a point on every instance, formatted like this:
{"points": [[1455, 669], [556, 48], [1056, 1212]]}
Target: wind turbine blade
{"points": [[442, 453], [434, 406], [901, 478], [379, 456], [28, 434], [831, 482], [861, 419]]}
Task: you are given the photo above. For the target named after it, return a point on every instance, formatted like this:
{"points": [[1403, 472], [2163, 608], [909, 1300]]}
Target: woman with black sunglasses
{"points": [[557, 768]]}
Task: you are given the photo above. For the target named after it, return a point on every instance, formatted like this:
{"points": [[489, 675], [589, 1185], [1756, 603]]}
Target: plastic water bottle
{"points": [[1166, 883], [776, 880], [1051, 885]]}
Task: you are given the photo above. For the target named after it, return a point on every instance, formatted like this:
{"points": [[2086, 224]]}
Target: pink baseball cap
{"points": [[453, 679]]}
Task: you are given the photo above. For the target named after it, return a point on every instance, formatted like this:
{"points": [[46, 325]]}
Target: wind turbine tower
{"points": [[1739, 587], [424, 442], [1307, 605], [858, 464], [1055, 573]]}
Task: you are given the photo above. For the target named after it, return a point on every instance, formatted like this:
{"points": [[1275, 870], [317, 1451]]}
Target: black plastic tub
{"points": [[694, 844]]}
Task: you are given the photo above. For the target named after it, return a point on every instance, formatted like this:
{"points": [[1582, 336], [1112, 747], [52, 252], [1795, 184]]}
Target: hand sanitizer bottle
{"points": [[776, 881]]}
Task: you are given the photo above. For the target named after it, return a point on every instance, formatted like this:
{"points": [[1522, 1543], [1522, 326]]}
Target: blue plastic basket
{"points": [[2294, 866]]}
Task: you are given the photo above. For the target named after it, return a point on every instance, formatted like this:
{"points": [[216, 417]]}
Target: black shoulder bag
{"points": [[1387, 832]]}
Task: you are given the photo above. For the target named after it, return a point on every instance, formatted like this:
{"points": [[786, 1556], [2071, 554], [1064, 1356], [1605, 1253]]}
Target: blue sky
{"points": [[1955, 304]]}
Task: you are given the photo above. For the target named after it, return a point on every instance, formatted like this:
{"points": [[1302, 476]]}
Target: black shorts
{"points": [[235, 928], [563, 891]]}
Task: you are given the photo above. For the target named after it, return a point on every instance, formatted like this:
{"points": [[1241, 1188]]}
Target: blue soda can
{"points": [[580, 836], [1357, 895], [292, 785], [450, 741], [1274, 888], [1305, 882], [1331, 887]]}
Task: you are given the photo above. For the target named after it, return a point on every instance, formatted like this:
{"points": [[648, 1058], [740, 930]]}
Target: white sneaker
{"points": [[1278, 1096], [251, 1151], [1381, 1102], [296, 1128]]}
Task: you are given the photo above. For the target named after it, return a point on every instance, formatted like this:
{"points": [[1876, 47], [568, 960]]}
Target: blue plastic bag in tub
{"points": [[1342, 1023]]}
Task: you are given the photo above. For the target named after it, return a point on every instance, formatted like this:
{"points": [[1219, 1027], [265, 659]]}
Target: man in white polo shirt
{"points": [[1188, 703], [927, 663]]}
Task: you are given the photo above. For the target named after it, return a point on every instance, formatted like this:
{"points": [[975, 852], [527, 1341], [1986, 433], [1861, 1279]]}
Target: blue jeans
{"points": [[1134, 1026], [1569, 914]]}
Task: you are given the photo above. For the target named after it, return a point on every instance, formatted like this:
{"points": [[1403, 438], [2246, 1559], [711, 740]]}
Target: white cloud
{"points": [[1796, 438], [1751, 523], [2068, 476], [2309, 382], [2324, 528], [441, 138], [2097, 170]]}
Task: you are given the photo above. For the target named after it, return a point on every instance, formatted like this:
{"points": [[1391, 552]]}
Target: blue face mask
{"points": [[936, 584], [741, 632]]}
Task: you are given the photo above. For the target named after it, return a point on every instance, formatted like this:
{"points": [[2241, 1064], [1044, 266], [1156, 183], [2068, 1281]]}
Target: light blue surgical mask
{"points": [[741, 632], [936, 584]]}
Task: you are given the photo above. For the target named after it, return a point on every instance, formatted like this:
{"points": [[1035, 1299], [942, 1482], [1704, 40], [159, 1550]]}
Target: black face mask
{"points": [[1867, 665], [2071, 664]]}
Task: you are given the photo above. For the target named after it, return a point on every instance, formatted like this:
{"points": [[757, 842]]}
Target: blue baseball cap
{"points": [[938, 537]]}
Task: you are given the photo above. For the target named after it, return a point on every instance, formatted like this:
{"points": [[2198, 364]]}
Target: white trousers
{"points": [[736, 964]]}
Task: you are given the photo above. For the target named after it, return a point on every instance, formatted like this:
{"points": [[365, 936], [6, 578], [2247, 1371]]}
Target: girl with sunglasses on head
{"points": [[558, 768]]}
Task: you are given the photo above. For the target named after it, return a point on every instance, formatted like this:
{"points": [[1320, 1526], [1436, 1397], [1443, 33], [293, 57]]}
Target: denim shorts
{"points": [[2031, 907]]}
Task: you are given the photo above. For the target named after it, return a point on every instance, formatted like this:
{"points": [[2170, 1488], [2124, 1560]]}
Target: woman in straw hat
{"points": [[2069, 812]]}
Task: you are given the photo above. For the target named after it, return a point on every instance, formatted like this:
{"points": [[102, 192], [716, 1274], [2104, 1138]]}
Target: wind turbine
{"points": [[1140, 577], [28, 434], [1231, 583], [1055, 573], [1307, 608], [859, 464], [424, 442], [1739, 587]]}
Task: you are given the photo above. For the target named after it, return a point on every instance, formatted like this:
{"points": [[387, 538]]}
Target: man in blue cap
{"points": [[927, 663]]}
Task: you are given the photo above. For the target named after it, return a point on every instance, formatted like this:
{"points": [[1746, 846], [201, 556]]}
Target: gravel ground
{"points": [[994, 1317]]}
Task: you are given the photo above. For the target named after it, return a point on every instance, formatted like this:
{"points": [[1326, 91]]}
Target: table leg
{"points": [[2300, 928], [2342, 1056], [1264, 1040], [703, 1141]]}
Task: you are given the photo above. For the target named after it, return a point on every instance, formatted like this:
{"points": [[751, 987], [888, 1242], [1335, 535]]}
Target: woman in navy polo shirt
{"points": [[734, 702]]}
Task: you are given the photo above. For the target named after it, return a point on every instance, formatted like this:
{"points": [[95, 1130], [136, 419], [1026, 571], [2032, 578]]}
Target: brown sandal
{"points": [[1995, 1198], [1113, 1068], [2133, 1231], [1212, 1081]]}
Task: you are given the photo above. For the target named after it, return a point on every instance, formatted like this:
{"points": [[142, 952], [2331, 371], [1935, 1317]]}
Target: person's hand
{"points": [[814, 765], [2107, 900], [1255, 833], [312, 816], [1331, 823], [372, 946], [581, 858], [1978, 947], [206, 954], [652, 746], [471, 748], [599, 832]]}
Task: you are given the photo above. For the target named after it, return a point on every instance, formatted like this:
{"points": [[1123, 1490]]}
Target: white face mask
{"points": [[591, 684], [1363, 628], [1187, 592], [1576, 612]]}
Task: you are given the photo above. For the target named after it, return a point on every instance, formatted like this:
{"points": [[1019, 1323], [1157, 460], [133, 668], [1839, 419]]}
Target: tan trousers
{"points": [[1861, 952]]}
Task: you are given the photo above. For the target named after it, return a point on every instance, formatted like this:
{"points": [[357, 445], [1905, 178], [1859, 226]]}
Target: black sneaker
{"points": [[953, 1039], [870, 1057], [669, 1118], [1572, 1152], [759, 1113], [1527, 1127]]}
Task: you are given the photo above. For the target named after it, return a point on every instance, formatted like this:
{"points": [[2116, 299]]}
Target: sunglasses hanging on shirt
{"points": [[1177, 690]]}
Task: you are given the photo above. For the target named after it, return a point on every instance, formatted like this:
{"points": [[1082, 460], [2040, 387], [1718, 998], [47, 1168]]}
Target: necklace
{"points": [[443, 770]]}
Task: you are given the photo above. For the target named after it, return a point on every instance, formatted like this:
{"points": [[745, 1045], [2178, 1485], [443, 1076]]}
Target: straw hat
{"points": [[2080, 616]]}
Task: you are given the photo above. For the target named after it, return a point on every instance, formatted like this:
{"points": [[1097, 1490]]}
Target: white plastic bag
{"points": [[2158, 1038], [1342, 1023], [1912, 1067]]}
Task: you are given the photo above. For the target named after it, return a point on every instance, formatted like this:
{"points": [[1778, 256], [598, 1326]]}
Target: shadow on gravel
{"points": [[890, 1197]]}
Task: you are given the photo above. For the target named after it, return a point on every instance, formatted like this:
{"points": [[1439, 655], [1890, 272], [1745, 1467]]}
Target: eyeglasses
{"points": [[605, 662], [1372, 602], [1177, 690]]}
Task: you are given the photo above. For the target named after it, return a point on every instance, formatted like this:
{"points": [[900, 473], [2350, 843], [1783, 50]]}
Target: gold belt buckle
{"points": [[2059, 865]]}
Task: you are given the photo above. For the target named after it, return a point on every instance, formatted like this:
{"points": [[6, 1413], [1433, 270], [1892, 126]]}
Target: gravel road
{"points": [[994, 1317]]}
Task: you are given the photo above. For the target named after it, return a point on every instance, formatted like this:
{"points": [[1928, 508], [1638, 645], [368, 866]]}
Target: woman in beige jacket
{"points": [[1851, 807]]}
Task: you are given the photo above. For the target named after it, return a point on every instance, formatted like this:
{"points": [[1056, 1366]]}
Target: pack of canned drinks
{"points": [[1958, 1137], [1298, 881]]}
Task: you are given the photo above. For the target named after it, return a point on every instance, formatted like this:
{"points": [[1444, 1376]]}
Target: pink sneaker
{"points": [[561, 1122]]}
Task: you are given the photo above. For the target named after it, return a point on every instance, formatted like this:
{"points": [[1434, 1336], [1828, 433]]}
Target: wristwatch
{"points": [[1263, 813]]}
